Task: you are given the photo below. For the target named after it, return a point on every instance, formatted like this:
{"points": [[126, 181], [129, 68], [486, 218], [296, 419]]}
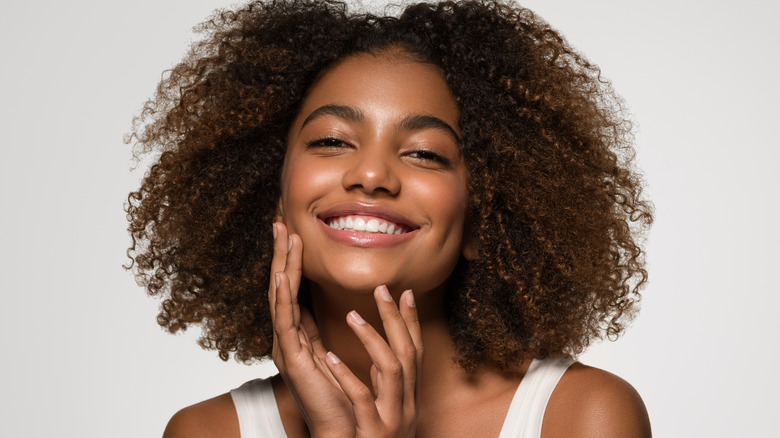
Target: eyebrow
{"points": [[343, 112], [409, 123], [417, 122]]}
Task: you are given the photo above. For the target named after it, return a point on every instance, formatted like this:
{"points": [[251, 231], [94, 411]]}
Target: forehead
{"points": [[384, 87]]}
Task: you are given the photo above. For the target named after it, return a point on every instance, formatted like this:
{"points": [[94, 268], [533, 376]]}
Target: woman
{"points": [[440, 207]]}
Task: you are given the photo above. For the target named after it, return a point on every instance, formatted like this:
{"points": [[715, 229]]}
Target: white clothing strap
{"points": [[258, 415], [526, 412]]}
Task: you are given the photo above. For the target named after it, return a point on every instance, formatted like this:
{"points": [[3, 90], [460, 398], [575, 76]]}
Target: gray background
{"points": [[83, 356]]}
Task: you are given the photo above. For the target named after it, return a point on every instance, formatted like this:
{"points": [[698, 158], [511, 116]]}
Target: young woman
{"points": [[421, 219]]}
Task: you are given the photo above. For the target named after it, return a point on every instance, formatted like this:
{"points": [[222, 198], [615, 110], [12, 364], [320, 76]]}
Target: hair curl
{"points": [[556, 209]]}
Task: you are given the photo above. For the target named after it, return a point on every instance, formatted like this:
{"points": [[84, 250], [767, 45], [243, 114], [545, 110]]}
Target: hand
{"points": [[298, 352], [394, 373], [334, 402]]}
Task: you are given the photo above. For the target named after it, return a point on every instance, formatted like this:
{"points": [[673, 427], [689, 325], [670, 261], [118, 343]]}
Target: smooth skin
{"points": [[378, 362]]}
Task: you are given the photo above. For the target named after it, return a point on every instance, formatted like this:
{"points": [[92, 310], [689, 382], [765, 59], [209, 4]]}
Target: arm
{"points": [[589, 402]]}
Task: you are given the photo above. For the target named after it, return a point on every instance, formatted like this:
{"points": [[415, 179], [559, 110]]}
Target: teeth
{"points": [[359, 224]]}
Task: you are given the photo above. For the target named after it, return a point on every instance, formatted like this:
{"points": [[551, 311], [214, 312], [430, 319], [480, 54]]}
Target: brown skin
{"points": [[587, 402], [380, 164]]}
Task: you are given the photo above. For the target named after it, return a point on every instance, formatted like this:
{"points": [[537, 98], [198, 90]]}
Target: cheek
{"points": [[446, 198], [302, 183]]}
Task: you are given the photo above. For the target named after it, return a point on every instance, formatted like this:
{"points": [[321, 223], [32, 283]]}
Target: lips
{"points": [[366, 225]]}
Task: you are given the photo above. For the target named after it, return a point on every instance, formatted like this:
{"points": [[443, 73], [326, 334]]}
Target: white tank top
{"points": [[258, 415]]}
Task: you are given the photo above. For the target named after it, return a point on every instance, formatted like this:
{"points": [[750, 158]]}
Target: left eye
{"points": [[327, 142], [429, 156]]}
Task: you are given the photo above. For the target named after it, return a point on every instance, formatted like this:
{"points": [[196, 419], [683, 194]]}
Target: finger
{"points": [[285, 328], [408, 310], [292, 269], [389, 378], [399, 337], [277, 262], [396, 328], [363, 405], [313, 333]]}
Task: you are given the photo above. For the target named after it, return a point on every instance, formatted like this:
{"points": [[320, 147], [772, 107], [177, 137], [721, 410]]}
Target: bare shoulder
{"points": [[211, 418], [589, 402]]}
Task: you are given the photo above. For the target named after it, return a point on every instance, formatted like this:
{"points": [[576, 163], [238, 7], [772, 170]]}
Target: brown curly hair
{"points": [[556, 209]]}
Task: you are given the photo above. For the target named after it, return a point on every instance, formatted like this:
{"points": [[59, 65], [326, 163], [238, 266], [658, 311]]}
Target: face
{"points": [[373, 181]]}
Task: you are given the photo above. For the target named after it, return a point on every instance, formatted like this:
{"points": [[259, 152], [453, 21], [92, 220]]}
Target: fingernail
{"points": [[356, 318], [385, 294], [410, 298], [289, 243], [276, 279], [332, 358], [275, 232]]}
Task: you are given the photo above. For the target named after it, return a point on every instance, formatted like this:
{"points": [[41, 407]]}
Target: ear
{"points": [[469, 245], [279, 214]]}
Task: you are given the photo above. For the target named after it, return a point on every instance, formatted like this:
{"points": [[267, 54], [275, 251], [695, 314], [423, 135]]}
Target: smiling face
{"points": [[373, 180]]}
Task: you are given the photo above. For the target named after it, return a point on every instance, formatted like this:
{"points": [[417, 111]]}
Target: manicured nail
{"points": [[276, 279], [289, 243], [332, 358], [356, 318], [385, 294], [410, 298], [275, 232]]}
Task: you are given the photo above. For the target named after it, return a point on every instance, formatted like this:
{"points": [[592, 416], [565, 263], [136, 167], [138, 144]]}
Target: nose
{"points": [[372, 171]]}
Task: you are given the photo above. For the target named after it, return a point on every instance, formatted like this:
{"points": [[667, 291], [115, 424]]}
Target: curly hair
{"points": [[556, 207]]}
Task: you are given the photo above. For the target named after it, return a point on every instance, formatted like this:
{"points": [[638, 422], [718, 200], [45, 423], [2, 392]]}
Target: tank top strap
{"points": [[526, 412], [258, 414]]}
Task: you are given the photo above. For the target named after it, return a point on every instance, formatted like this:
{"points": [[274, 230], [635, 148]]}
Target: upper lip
{"points": [[358, 208]]}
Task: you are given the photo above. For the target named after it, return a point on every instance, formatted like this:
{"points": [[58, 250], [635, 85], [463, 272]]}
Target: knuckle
{"points": [[363, 395], [394, 369], [407, 351]]}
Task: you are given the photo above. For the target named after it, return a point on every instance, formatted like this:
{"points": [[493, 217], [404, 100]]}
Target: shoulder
{"points": [[589, 402], [212, 418]]}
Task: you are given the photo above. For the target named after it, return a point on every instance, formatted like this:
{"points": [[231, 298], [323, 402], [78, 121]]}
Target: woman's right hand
{"points": [[333, 401], [298, 352]]}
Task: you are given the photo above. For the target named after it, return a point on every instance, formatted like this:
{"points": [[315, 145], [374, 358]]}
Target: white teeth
{"points": [[359, 224]]}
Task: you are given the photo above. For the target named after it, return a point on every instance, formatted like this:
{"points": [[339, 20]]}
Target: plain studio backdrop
{"points": [[82, 354]]}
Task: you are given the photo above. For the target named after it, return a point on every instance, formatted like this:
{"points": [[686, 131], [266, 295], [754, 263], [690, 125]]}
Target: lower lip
{"points": [[367, 240]]}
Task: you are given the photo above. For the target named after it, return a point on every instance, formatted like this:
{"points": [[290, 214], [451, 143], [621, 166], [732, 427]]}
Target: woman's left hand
{"points": [[395, 371]]}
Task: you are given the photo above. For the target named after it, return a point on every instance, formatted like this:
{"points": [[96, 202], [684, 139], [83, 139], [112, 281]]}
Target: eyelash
{"points": [[327, 142], [422, 154], [427, 155]]}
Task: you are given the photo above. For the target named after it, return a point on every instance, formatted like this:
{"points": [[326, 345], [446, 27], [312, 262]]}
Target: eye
{"points": [[327, 142], [429, 156]]}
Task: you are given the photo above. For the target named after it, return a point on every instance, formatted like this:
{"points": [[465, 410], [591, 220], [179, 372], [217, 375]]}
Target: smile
{"points": [[365, 224]]}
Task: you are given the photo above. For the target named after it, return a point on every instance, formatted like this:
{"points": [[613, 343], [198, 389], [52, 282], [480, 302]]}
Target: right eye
{"points": [[327, 142]]}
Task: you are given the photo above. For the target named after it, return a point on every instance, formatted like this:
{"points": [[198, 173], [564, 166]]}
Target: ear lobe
{"points": [[469, 247], [279, 214]]}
